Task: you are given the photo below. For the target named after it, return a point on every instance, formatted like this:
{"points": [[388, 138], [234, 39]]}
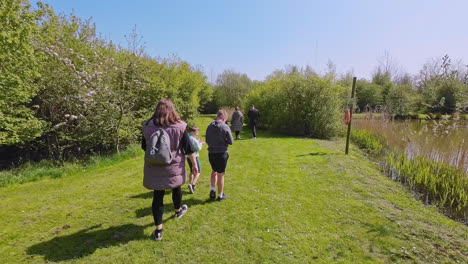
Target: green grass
{"points": [[436, 182], [291, 200], [32, 171], [368, 141]]}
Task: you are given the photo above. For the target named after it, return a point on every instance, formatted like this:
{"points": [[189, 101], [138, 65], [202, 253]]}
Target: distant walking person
{"points": [[218, 138], [253, 114], [237, 121], [164, 135]]}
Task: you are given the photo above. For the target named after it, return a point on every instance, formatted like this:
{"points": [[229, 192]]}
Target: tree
{"points": [[400, 100], [231, 88], [369, 95], [443, 85], [387, 66], [18, 70], [296, 102]]}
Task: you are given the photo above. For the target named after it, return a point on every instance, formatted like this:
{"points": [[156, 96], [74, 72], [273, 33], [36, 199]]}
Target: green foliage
{"points": [[400, 99], [231, 88], [438, 182], [369, 95], [18, 70], [368, 141], [383, 80], [307, 203], [299, 103], [435, 182], [208, 103], [444, 87], [92, 96], [30, 171]]}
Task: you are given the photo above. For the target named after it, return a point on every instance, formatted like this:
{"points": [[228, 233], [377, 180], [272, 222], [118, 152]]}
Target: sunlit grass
{"points": [[291, 200], [33, 171], [435, 182]]}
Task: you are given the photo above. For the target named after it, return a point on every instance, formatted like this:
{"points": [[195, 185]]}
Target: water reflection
{"points": [[441, 140]]}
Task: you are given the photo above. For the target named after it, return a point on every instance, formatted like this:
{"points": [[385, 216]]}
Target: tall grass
{"points": [[48, 169], [439, 140], [436, 182], [368, 141]]}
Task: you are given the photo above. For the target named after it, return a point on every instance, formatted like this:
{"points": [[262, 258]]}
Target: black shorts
{"points": [[218, 161]]}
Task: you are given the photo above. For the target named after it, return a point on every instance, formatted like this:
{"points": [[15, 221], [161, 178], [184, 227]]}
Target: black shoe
{"points": [[183, 210], [222, 198], [191, 187], [157, 235], [212, 195]]}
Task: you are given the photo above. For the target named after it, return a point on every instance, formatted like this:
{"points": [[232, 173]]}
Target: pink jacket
{"points": [[166, 176]]}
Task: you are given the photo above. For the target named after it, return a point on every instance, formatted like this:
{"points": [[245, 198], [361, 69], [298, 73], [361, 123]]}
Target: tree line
{"points": [[65, 92]]}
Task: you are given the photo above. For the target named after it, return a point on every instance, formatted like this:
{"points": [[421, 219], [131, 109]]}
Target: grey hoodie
{"points": [[218, 136]]}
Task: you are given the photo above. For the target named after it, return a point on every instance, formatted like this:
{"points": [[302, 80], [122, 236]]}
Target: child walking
{"points": [[197, 146]]}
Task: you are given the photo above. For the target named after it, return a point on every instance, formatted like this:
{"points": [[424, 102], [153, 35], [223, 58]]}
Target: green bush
{"points": [[70, 94], [299, 104]]}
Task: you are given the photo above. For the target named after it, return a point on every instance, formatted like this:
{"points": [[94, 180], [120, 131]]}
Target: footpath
{"points": [[290, 200]]}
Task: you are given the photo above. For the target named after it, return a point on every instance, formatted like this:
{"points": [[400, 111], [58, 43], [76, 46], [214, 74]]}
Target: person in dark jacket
{"points": [[253, 114], [218, 138], [161, 177], [237, 121]]}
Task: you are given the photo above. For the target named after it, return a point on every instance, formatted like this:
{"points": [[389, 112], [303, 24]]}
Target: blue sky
{"points": [[258, 37]]}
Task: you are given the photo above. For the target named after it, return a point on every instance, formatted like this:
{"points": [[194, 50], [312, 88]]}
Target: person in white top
{"points": [[197, 146]]}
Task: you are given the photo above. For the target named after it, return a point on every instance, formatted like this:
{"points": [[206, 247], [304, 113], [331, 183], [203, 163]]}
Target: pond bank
{"points": [[293, 200]]}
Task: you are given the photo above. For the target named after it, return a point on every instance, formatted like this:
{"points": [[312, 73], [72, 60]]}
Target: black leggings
{"points": [[237, 134], [158, 203], [253, 126]]}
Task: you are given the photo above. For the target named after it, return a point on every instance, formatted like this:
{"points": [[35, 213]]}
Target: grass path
{"points": [[291, 200]]}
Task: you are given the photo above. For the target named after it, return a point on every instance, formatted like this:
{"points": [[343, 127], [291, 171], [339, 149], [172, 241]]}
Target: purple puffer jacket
{"points": [[166, 176]]}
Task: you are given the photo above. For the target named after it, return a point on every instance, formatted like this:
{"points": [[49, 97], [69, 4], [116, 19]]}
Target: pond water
{"points": [[441, 140]]}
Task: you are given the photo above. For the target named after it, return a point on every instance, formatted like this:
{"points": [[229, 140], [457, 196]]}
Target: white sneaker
{"points": [[157, 235], [183, 210]]}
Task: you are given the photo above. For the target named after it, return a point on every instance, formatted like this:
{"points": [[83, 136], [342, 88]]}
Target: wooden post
{"points": [[350, 105]]}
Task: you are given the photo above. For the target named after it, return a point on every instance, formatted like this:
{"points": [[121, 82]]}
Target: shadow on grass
{"points": [[86, 241], [149, 195], [313, 154], [145, 195], [169, 208]]}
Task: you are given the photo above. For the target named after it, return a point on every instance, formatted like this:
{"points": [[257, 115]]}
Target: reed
{"points": [[435, 182], [439, 140], [368, 141]]}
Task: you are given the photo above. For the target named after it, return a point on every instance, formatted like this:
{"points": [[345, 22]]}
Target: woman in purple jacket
{"points": [[162, 177]]}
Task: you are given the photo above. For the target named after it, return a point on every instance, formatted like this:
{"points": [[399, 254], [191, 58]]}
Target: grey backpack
{"points": [[158, 148]]}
